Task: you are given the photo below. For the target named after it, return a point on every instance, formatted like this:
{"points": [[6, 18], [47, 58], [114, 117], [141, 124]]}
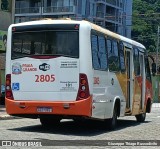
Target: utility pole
{"points": [[157, 48], [157, 61]]}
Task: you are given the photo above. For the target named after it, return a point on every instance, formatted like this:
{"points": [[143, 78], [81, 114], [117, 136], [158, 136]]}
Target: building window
{"points": [[79, 6]]}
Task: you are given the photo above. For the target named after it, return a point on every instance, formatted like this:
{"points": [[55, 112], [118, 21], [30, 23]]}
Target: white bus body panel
{"points": [[85, 53], [105, 92], [60, 82]]}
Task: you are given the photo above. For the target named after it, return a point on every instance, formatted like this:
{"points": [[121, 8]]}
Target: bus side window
{"points": [[113, 58], [102, 54], [95, 59], [136, 62], [147, 69], [122, 59]]}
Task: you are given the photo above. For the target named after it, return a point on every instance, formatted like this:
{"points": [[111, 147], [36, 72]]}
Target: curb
{"points": [[8, 117], [156, 105]]}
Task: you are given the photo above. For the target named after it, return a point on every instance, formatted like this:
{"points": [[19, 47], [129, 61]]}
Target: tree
{"points": [[145, 22], [4, 4]]}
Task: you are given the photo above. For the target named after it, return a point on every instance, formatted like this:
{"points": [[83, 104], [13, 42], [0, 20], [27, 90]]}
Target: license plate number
{"points": [[44, 109]]}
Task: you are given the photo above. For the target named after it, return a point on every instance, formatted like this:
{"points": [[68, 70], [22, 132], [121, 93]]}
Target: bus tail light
{"points": [[83, 91], [9, 94]]}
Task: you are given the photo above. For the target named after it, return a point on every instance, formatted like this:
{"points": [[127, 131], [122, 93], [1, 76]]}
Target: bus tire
{"points": [[141, 117], [49, 122], [79, 120], [112, 122]]}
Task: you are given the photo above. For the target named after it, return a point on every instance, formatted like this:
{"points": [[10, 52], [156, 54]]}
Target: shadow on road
{"points": [[89, 128]]}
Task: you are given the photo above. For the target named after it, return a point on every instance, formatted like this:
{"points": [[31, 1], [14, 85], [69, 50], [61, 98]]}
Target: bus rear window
{"points": [[52, 43]]}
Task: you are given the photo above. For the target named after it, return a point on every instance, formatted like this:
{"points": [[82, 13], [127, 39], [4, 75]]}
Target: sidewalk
{"points": [[156, 105], [4, 115]]}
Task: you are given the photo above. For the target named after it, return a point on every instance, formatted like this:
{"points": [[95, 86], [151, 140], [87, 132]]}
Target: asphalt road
{"points": [[83, 135]]}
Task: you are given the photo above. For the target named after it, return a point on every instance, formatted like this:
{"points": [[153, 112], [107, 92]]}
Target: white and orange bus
{"points": [[58, 69]]}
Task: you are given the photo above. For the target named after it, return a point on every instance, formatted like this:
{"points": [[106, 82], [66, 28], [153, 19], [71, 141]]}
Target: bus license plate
{"points": [[44, 109]]}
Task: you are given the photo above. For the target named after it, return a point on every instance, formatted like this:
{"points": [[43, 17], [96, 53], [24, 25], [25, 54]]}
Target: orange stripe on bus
{"points": [[79, 108]]}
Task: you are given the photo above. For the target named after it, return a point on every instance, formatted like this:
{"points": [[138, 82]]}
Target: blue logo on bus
{"points": [[16, 68], [15, 86]]}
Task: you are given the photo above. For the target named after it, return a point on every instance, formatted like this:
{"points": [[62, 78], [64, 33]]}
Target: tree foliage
{"points": [[146, 18], [4, 4]]}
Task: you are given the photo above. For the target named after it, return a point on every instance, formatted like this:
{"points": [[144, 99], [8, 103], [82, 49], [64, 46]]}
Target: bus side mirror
{"points": [[154, 69]]}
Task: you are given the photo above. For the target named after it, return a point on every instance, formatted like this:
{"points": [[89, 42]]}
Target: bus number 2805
{"points": [[45, 78]]}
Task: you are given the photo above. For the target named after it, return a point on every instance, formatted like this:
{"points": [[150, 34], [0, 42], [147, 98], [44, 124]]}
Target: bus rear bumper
{"points": [[73, 108]]}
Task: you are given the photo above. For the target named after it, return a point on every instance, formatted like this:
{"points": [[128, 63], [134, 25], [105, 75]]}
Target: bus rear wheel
{"points": [[141, 117], [49, 121], [112, 122]]}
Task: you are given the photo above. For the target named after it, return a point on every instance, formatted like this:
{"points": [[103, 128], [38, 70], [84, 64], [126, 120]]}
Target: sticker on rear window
{"points": [[16, 68], [15, 86], [44, 67]]}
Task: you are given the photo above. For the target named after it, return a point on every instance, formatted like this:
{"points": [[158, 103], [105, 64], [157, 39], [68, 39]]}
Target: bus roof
{"points": [[117, 36], [93, 26]]}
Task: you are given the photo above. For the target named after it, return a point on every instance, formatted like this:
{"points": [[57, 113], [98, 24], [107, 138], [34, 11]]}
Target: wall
{"points": [[5, 21]]}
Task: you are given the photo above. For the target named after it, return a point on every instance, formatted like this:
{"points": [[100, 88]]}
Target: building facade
{"points": [[5, 21], [114, 15]]}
